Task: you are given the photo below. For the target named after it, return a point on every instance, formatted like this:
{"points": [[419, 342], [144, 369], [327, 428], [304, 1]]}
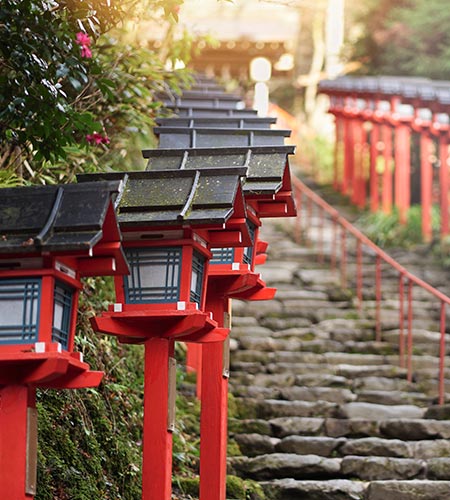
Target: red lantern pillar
{"points": [[214, 412], [358, 133], [426, 176], [374, 182], [349, 156], [159, 394], [403, 170], [444, 183], [18, 441], [386, 190]]}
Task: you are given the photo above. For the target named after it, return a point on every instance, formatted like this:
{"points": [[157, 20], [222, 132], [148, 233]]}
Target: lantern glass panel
{"points": [[62, 311], [198, 268], [222, 256], [248, 251], [155, 275], [19, 310]]}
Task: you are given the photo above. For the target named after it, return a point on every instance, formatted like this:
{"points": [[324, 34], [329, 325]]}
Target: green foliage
{"points": [[317, 157], [386, 230], [405, 37], [55, 95]]}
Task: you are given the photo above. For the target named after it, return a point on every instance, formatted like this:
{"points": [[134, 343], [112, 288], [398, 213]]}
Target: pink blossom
{"points": [[86, 52], [96, 138], [84, 40]]}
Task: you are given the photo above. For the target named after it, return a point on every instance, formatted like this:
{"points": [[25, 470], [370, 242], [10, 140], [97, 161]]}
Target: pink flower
{"points": [[84, 40], [86, 52], [97, 138]]}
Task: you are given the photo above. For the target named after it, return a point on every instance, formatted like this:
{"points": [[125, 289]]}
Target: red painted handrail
{"points": [[407, 280]]}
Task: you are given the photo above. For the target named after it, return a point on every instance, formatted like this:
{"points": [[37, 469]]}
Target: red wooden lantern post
{"points": [[169, 220], [349, 147], [228, 279], [50, 237], [230, 275], [268, 193], [441, 128]]}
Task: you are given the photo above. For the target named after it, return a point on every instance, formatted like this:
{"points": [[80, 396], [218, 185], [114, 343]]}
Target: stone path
{"points": [[326, 413]]}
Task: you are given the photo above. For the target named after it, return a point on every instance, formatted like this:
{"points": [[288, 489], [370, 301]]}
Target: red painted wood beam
{"points": [[157, 438], [347, 180], [357, 161], [426, 174], [214, 411], [444, 183], [18, 442], [403, 170], [386, 193], [373, 173], [338, 152]]}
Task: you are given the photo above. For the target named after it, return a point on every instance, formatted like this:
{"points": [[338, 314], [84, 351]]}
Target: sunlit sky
{"points": [[251, 19]]}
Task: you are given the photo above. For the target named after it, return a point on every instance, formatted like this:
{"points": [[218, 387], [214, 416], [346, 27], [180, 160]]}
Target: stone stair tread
{"points": [[281, 465], [332, 489], [382, 468], [271, 408], [393, 397], [408, 490], [358, 409]]}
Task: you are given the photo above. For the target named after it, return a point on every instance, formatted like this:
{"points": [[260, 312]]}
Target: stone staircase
{"points": [[325, 411]]}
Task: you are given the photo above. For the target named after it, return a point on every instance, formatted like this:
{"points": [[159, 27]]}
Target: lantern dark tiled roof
{"points": [[265, 166], [181, 138], [252, 122], [61, 218], [221, 101], [201, 94], [183, 109], [172, 197]]}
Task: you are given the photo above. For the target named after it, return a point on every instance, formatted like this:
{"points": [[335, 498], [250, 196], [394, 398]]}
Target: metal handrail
{"points": [[405, 277]]}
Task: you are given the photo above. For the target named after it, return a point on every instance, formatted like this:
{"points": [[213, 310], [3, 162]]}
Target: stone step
{"points": [[408, 490], [394, 397], [282, 465], [260, 444], [395, 428], [295, 393], [332, 358], [333, 489], [345, 370], [310, 466], [271, 408]]}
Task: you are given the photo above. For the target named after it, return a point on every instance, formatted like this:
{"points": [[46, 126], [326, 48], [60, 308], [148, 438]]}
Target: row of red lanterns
{"points": [[181, 240]]}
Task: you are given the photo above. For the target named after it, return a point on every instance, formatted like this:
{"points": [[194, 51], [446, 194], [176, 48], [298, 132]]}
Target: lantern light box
{"points": [[170, 220], [50, 237]]}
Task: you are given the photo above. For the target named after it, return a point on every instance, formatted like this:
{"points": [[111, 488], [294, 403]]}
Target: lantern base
{"points": [[239, 284], [138, 326], [50, 370]]}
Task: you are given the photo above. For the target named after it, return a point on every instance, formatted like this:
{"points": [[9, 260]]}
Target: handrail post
{"points": [[401, 337], [359, 275], [442, 356], [410, 335], [298, 219], [378, 298], [334, 244], [321, 235], [343, 258]]}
